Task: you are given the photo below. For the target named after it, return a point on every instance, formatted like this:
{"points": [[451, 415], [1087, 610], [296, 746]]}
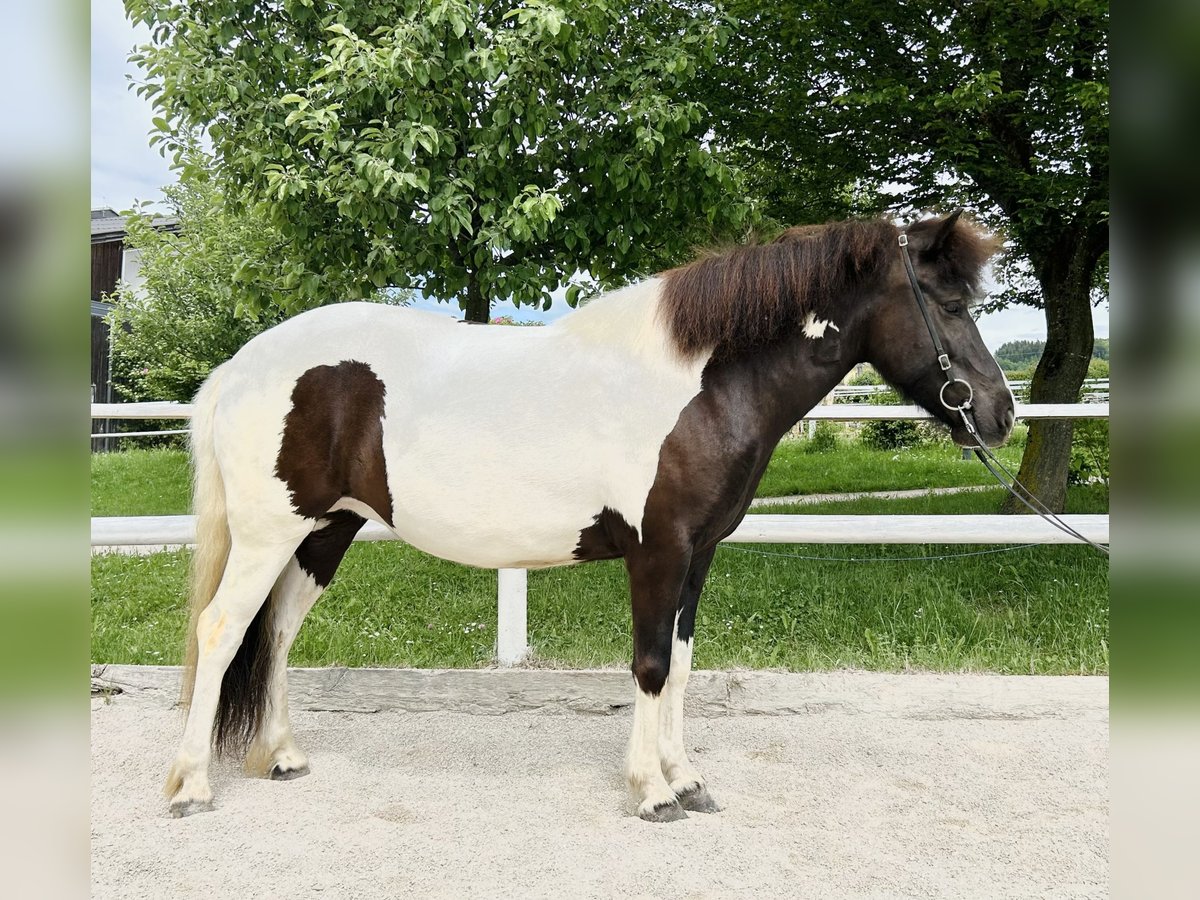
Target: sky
{"points": [[126, 170]]}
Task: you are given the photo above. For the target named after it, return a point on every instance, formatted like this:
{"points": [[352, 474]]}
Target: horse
{"points": [[649, 413]]}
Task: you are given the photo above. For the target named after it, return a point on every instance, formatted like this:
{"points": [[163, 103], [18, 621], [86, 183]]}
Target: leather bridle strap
{"points": [[943, 357]]}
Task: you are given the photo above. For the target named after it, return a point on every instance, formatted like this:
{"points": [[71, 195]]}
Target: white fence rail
{"points": [[756, 528], [841, 412], [512, 628], [1091, 390]]}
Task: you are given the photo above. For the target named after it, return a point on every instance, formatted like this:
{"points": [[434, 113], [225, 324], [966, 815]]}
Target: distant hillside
{"points": [[1019, 356]]}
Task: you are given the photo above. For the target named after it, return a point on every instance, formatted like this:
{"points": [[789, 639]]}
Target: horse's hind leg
{"points": [[685, 780], [273, 751], [250, 571], [656, 577]]}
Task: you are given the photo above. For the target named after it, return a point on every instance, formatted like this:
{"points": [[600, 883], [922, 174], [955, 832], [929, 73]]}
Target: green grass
{"points": [[141, 483], [156, 482], [1040, 610], [794, 469]]}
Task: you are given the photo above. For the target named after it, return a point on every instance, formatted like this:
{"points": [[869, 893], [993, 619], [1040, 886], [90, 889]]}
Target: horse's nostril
{"points": [[1009, 418]]}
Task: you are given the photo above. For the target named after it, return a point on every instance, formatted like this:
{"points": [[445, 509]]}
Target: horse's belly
{"points": [[490, 528], [494, 496]]}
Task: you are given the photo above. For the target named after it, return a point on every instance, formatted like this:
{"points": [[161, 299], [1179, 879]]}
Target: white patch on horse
{"points": [[814, 328], [501, 444], [642, 769], [293, 595], [676, 768], [358, 508]]}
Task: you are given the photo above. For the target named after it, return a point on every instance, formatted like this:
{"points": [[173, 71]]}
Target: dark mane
{"points": [[962, 252], [744, 297]]}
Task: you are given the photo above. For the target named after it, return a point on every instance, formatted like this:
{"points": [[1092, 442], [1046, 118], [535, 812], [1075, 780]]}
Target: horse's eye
{"points": [[955, 309]]}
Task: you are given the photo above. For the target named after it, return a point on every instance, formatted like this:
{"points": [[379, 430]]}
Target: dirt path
{"points": [[804, 499], [874, 786]]}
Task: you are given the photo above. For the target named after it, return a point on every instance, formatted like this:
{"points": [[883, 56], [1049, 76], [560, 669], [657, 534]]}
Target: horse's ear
{"points": [[942, 231]]}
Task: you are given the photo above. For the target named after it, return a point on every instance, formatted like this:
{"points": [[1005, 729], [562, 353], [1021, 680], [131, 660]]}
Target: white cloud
{"points": [[124, 167], [1024, 323]]}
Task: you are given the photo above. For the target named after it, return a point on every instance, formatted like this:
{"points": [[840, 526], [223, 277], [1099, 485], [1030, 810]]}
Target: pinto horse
{"points": [[651, 413]]}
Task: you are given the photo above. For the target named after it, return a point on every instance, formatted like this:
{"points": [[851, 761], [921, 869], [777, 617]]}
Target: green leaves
{"points": [[485, 148], [208, 287], [863, 107]]}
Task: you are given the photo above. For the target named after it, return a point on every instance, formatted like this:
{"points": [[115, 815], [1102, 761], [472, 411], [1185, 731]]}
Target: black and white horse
{"points": [[645, 418]]}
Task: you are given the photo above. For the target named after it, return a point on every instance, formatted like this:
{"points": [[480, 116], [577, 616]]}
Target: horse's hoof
{"points": [[190, 807], [278, 774], [668, 811], [695, 798]]}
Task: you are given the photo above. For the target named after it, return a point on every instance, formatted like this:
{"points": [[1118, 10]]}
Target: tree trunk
{"points": [[1066, 275], [478, 307]]}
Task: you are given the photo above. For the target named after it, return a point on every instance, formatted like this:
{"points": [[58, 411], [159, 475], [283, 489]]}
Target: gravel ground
{"points": [[1001, 791]]}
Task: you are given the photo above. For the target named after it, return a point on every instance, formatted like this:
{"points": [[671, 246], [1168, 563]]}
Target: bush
{"points": [[1089, 452], [824, 439], [890, 434]]}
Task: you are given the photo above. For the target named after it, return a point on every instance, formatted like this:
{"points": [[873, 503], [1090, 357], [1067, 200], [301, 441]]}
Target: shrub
{"points": [[186, 315], [1098, 368], [890, 434], [824, 439], [1089, 452]]}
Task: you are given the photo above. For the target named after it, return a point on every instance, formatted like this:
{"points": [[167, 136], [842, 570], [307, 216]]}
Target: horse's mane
{"points": [[962, 253], [739, 298], [743, 297]]}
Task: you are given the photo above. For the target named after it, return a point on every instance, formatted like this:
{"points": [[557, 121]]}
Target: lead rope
{"points": [[990, 461]]}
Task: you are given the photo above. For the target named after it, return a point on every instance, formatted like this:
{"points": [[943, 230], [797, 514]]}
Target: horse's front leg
{"points": [[686, 782], [656, 577]]}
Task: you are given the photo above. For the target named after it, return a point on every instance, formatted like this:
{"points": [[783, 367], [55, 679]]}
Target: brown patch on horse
{"points": [[333, 441], [741, 298], [321, 552], [608, 537]]}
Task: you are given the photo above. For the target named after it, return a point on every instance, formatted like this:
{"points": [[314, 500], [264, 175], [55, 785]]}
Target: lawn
{"points": [[795, 469], [155, 482], [1041, 610], [141, 483]]}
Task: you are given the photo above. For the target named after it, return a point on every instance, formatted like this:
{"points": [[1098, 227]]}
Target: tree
{"points": [[474, 150], [1002, 107], [1017, 355], [186, 317], [1014, 356]]}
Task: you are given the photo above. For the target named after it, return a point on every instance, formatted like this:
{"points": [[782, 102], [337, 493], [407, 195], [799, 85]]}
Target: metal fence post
{"points": [[512, 640]]}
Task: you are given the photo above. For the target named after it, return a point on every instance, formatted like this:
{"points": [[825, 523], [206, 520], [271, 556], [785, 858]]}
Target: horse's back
{"points": [[499, 444]]}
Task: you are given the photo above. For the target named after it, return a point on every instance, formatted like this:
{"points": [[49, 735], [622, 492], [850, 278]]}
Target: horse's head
{"points": [[947, 256]]}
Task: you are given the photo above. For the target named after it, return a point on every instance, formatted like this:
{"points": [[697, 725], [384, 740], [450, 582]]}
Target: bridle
{"points": [[990, 461], [943, 357]]}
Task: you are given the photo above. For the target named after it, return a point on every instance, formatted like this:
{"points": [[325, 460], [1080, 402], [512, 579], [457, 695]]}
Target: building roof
{"points": [[108, 225]]}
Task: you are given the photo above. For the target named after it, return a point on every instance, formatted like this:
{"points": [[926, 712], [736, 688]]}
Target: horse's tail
{"points": [[245, 685], [212, 525]]}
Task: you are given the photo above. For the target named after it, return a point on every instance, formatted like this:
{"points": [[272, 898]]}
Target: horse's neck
{"points": [[781, 384]]}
